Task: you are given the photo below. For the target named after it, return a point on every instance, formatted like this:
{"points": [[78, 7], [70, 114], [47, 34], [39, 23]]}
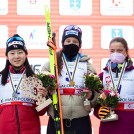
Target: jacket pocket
{"points": [[27, 113]]}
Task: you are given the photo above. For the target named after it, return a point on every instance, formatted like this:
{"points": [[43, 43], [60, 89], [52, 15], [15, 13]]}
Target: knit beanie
{"points": [[72, 31], [15, 42]]}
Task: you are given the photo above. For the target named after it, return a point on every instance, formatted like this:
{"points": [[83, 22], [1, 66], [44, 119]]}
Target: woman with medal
{"points": [[17, 113], [72, 65], [119, 73]]}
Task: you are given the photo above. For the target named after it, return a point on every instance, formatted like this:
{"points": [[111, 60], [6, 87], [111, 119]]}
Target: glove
{"points": [[103, 112]]}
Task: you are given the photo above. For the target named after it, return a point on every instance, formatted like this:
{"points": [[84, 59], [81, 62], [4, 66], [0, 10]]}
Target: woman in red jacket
{"points": [[17, 113]]}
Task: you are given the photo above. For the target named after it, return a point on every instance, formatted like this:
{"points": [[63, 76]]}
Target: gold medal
{"points": [[72, 83]]}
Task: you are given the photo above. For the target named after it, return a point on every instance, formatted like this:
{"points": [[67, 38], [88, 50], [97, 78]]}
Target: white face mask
{"points": [[117, 58]]}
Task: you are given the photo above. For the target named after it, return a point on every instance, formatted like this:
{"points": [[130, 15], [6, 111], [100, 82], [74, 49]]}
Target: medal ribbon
{"points": [[71, 79], [18, 83], [121, 73]]}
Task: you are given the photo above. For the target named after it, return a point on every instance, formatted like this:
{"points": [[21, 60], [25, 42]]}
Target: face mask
{"points": [[70, 50], [117, 58]]}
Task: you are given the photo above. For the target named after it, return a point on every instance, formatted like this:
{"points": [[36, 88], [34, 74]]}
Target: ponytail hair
{"points": [[59, 61]]}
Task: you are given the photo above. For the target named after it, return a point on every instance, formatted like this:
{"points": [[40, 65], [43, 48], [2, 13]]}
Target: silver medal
{"points": [[14, 95]]}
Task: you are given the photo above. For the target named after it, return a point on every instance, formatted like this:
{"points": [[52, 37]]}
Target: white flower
{"points": [[46, 73], [91, 74], [112, 93]]}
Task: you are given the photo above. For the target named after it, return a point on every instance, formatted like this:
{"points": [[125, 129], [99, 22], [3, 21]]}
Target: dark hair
{"points": [[5, 71], [59, 61], [125, 45], [122, 41]]}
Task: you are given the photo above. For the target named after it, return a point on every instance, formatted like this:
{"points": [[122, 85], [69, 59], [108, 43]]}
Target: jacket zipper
{"points": [[71, 108], [17, 118]]}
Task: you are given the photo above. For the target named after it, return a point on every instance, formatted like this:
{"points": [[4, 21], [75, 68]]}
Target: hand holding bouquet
{"points": [[48, 80], [91, 82]]}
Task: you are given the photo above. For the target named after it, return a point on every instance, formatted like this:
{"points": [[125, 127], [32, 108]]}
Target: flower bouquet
{"points": [[48, 80], [109, 98], [92, 82]]}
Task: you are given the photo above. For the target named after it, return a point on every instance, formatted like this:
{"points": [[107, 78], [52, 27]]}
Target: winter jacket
{"points": [[125, 112], [73, 105], [17, 115]]}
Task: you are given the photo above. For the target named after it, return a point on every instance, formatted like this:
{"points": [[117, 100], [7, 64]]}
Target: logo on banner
{"points": [[36, 67], [32, 1], [116, 2], [75, 4], [108, 79], [32, 34], [117, 33]]}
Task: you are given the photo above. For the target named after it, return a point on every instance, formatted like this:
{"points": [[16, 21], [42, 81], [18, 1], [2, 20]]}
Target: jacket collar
{"points": [[127, 68], [115, 66], [13, 71], [74, 58]]}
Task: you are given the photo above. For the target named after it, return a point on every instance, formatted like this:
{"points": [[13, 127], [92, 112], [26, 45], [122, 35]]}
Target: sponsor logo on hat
{"points": [[15, 43], [15, 46], [71, 32]]}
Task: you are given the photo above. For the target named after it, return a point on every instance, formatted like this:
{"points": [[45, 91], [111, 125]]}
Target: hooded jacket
{"points": [[73, 105]]}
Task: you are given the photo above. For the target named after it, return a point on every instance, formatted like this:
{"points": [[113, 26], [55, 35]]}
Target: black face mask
{"points": [[70, 50]]}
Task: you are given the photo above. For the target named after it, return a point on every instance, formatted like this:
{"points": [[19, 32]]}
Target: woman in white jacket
{"points": [[72, 65]]}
